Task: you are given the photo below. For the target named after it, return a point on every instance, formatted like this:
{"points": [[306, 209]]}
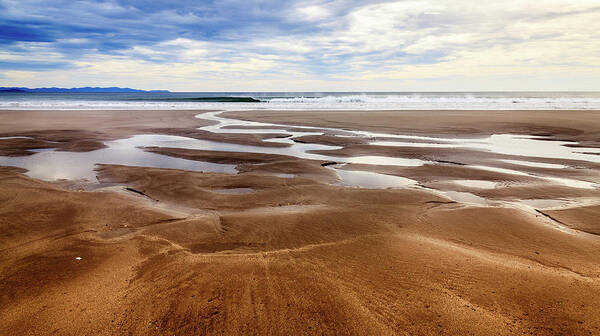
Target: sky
{"points": [[250, 45]]}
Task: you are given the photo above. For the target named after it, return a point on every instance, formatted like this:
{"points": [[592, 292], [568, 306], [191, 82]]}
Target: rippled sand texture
{"points": [[161, 223]]}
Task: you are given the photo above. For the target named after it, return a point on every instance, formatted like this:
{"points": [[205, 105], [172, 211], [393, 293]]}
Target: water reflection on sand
{"points": [[54, 165], [51, 165]]}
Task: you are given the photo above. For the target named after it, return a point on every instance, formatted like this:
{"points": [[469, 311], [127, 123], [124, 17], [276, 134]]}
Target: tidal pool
{"points": [[50, 164], [53, 165], [480, 184], [364, 179]]}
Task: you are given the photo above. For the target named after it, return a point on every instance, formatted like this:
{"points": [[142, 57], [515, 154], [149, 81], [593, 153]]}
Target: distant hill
{"points": [[80, 89], [11, 90]]}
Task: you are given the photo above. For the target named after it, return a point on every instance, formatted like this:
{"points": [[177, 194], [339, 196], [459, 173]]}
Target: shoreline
{"points": [[280, 244]]}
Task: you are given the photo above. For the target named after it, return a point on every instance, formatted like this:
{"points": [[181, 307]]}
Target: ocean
{"points": [[304, 100]]}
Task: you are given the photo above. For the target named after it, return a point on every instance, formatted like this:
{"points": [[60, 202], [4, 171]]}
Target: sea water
{"points": [[304, 100]]}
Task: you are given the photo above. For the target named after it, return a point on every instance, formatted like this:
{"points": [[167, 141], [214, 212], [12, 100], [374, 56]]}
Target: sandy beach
{"points": [[284, 245]]}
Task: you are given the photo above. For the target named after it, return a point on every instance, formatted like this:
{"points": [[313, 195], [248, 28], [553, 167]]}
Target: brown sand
{"points": [[254, 162], [581, 125], [173, 256], [85, 130], [582, 218], [243, 139]]}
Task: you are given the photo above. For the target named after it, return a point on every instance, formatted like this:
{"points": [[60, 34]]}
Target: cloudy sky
{"points": [[249, 45]]}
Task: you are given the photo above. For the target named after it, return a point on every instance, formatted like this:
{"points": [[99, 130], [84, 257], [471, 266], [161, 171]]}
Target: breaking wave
{"points": [[321, 101]]}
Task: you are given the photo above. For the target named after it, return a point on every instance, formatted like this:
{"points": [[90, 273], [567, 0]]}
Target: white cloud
{"points": [[382, 46], [312, 13]]}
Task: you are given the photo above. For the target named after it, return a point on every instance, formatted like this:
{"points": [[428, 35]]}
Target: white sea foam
{"points": [[424, 101]]}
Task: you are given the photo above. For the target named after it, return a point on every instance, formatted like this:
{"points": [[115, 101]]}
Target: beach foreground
{"points": [[281, 248]]}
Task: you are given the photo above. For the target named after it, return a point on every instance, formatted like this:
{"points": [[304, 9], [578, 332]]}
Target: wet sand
{"points": [[581, 125], [86, 130], [166, 251]]}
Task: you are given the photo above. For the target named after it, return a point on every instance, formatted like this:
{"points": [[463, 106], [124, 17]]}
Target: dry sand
{"points": [[175, 256]]}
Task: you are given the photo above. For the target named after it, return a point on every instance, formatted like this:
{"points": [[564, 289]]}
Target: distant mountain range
{"points": [[80, 89]]}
